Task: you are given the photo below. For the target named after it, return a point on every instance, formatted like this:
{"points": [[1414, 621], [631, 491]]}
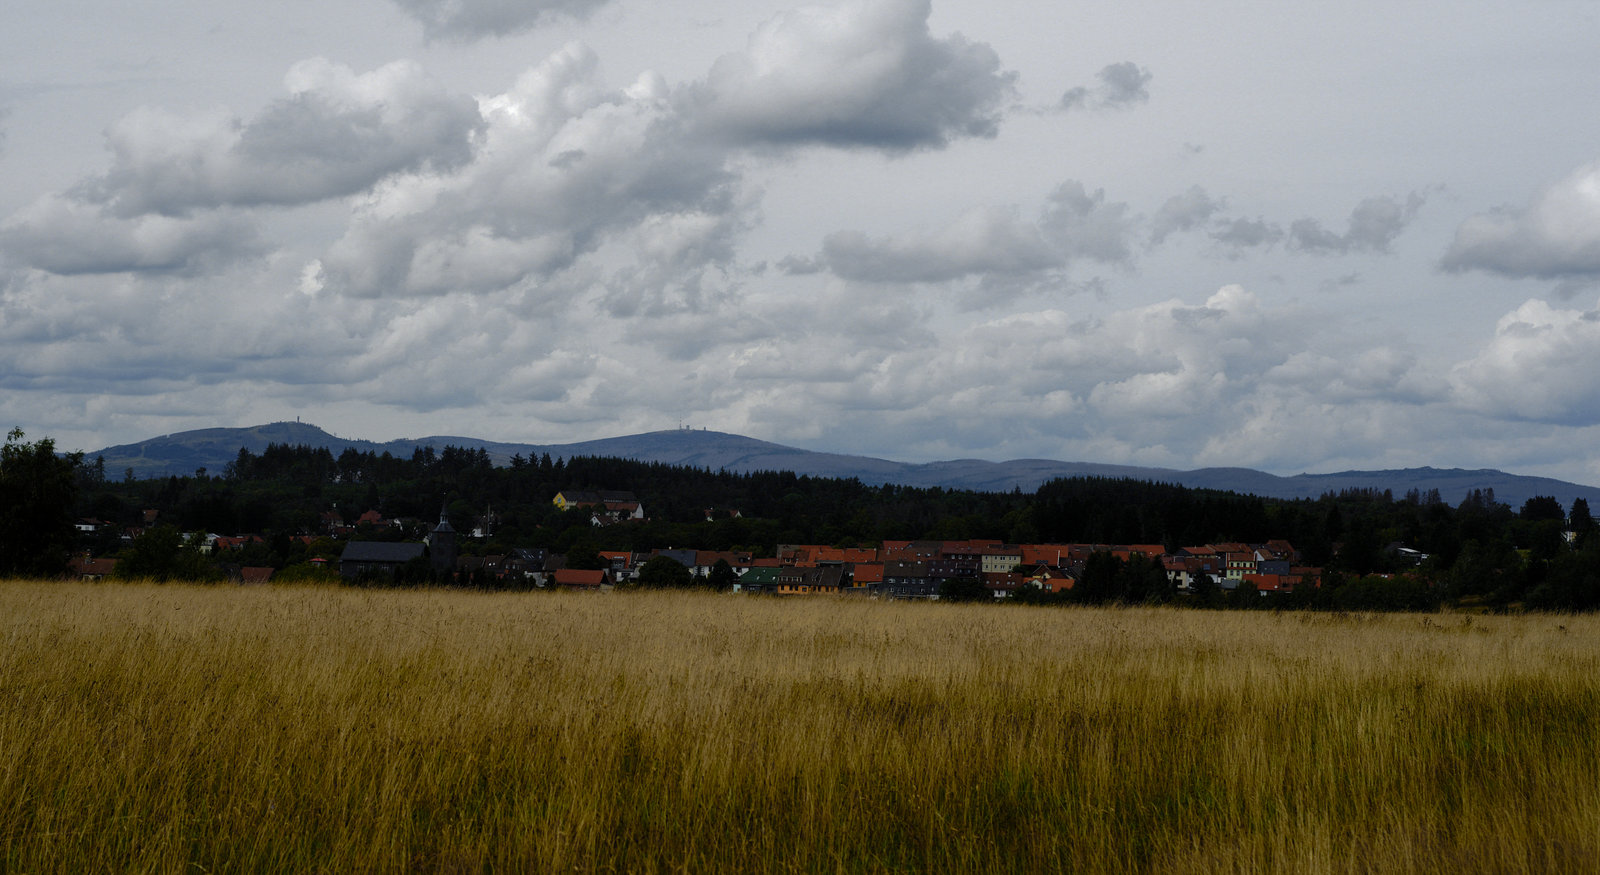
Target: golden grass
{"points": [[185, 729]]}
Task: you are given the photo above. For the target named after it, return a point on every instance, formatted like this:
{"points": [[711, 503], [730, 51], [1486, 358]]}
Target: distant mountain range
{"points": [[213, 448]]}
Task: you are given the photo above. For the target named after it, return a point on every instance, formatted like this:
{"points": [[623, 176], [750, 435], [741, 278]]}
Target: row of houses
{"points": [[903, 569]]}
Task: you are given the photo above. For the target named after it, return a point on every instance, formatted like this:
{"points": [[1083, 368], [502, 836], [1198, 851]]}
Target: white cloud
{"points": [[338, 133], [476, 19], [1556, 236], [1543, 364], [63, 236], [565, 166], [867, 74]]}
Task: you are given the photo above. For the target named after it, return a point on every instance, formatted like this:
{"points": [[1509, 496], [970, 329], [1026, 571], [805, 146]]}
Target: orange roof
{"points": [[577, 577], [868, 572]]}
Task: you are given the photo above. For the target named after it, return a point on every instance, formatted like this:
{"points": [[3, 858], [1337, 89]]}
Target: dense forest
{"points": [[1478, 550]]}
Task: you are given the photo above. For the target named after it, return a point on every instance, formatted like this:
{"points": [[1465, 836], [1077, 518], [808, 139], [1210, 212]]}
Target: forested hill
{"points": [[212, 449]]}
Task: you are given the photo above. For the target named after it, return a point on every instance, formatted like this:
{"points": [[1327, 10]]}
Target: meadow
{"points": [[148, 728]]}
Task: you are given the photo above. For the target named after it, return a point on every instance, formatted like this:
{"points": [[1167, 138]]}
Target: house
{"points": [[866, 577], [85, 568], [526, 564], [682, 557], [1001, 558], [705, 560], [607, 502], [908, 580], [1002, 584], [758, 580], [384, 557], [252, 574], [579, 580], [815, 580]]}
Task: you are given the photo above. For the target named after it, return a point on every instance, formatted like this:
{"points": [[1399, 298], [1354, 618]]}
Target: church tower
{"points": [[442, 545]]}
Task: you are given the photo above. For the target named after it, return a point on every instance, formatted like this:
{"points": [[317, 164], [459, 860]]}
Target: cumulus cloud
{"points": [[1374, 225], [1122, 85], [864, 74], [1556, 236], [1543, 364], [337, 134], [63, 236], [476, 19], [565, 166]]}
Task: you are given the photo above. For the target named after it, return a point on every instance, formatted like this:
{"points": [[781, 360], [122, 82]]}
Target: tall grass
{"points": [[179, 729]]}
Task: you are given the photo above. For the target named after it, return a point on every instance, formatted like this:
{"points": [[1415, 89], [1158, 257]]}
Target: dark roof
{"points": [[380, 551]]}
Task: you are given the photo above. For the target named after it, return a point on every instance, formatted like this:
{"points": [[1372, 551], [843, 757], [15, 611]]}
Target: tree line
{"points": [[1479, 551]]}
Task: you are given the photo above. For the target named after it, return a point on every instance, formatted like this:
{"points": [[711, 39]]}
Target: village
{"points": [[891, 569]]}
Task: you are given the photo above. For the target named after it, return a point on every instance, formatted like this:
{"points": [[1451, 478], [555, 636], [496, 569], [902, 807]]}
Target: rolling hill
{"points": [[213, 448]]}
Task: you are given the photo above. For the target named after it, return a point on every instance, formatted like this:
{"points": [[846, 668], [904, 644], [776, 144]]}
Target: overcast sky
{"points": [[1294, 237]]}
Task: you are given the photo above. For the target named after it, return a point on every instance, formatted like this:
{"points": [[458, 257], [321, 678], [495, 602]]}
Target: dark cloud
{"points": [[338, 134], [476, 19], [1121, 85], [867, 74], [1556, 236]]}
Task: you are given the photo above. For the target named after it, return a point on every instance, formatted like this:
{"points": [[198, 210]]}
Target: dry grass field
{"points": [[184, 729]]}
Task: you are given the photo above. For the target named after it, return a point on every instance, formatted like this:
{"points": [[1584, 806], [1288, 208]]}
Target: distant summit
{"points": [[186, 452]]}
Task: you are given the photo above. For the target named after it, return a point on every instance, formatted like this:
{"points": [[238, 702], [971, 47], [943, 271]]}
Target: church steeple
{"points": [[442, 545]]}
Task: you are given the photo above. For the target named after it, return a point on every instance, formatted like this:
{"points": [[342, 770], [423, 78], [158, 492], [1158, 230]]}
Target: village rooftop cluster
{"points": [[895, 569]]}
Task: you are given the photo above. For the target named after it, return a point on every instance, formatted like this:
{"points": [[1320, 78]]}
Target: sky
{"points": [[1294, 237]]}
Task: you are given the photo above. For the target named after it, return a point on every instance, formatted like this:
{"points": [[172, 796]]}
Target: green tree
{"points": [[585, 557], [162, 554], [664, 572], [964, 589], [722, 577], [37, 492]]}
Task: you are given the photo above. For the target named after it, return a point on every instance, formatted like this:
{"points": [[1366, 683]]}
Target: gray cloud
{"points": [[866, 74], [995, 244], [1374, 225], [338, 134], [992, 242], [1122, 85], [1556, 236], [476, 19], [1184, 212], [1242, 233], [1083, 225], [63, 236]]}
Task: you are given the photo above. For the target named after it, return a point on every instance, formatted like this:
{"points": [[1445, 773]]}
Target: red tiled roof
{"points": [[576, 577]]}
